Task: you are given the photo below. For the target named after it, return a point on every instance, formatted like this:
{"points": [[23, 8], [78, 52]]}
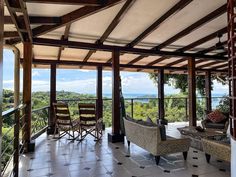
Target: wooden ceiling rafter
{"points": [[23, 28], [176, 62], [35, 20], [176, 8], [102, 47], [64, 37], [203, 40], [216, 13], [208, 64], [211, 16], [172, 11], [137, 59], [112, 26], [11, 34], [157, 61], [196, 62], [74, 16], [70, 2], [212, 48], [81, 63], [220, 66]]}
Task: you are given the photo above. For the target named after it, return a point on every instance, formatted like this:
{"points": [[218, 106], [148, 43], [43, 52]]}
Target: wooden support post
{"points": [[192, 92], [99, 93], [1, 70], [208, 90], [161, 110], [51, 120], [16, 77], [27, 73], [115, 136]]}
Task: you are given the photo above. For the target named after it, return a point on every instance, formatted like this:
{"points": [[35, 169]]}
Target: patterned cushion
{"points": [[216, 116]]}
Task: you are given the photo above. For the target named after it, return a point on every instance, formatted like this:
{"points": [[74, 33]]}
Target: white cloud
{"points": [[84, 70], [218, 88]]}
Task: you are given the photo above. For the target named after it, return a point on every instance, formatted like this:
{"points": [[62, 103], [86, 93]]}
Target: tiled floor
{"points": [[63, 158]]}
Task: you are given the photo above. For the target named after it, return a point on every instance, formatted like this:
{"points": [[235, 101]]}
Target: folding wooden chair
{"points": [[64, 123], [89, 122]]}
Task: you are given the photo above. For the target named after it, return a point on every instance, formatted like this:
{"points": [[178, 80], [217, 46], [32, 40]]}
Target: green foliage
{"points": [[180, 81], [224, 105], [7, 145]]}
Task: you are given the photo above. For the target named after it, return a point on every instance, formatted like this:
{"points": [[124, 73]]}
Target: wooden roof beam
{"points": [[112, 25], [64, 37], [220, 66], [212, 48], [70, 2], [157, 61], [144, 52], [80, 63], [196, 62], [176, 62], [175, 9], [208, 64], [23, 27], [74, 16], [211, 16], [203, 40], [137, 59], [35, 20], [11, 34]]}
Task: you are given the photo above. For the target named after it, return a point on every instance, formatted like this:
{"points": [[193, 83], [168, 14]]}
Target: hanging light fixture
{"points": [[219, 47]]}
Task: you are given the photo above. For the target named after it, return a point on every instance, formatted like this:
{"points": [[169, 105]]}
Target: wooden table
{"points": [[196, 136]]}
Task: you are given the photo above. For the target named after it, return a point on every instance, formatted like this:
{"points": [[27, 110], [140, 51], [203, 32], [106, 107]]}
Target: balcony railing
{"points": [[12, 144], [176, 108], [39, 122]]}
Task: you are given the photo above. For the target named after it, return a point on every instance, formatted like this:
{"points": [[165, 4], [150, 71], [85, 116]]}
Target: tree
{"points": [[180, 81]]}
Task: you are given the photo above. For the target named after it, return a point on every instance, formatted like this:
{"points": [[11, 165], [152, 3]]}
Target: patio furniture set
{"points": [[152, 138], [145, 134]]}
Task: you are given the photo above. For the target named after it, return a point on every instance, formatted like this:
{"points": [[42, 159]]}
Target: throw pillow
{"points": [[216, 116]]}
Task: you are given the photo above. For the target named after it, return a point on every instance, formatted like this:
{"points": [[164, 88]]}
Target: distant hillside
{"points": [[40, 99]]}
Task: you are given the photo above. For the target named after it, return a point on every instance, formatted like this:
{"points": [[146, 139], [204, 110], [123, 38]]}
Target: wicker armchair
{"points": [[216, 148]]}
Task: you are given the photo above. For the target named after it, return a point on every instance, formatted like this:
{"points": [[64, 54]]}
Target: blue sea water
{"points": [[215, 97]]}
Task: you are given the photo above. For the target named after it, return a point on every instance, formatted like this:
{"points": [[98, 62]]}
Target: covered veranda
{"points": [[184, 37]]}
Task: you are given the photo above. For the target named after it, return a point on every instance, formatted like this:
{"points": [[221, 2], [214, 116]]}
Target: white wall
{"points": [[233, 158]]}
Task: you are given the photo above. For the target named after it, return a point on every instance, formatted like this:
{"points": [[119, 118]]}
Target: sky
{"points": [[84, 81]]}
